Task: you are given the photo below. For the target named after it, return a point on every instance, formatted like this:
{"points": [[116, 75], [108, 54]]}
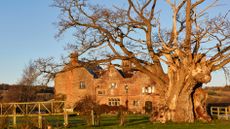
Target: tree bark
{"points": [[181, 97], [184, 109], [179, 102]]}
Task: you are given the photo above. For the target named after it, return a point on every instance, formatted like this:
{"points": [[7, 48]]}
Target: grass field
{"points": [[137, 122]]}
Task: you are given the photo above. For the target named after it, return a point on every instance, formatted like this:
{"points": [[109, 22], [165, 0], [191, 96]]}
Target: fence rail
{"points": [[221, 112], [31, 109]]}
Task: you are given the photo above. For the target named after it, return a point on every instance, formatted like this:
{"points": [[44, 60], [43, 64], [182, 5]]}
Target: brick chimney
{"points": [[126, 66], [74, 58]]}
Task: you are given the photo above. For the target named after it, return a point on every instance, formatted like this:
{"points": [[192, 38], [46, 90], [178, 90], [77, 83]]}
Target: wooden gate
{"points": [[35, 109]]}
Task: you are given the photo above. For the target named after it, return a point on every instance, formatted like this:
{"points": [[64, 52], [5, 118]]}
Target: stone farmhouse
{"points": [[113, 86]]}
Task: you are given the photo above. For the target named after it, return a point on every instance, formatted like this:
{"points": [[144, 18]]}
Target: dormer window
{"points": [[113, 85], [82, 85]]}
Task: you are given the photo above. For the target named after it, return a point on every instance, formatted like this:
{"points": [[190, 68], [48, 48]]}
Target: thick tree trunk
{"points": [[184, 109], [181, 102], [178, 105], [178, 108]]}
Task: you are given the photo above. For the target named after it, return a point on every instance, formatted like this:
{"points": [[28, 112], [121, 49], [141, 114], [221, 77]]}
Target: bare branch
{"points": [[188, 27], [221, 64]]}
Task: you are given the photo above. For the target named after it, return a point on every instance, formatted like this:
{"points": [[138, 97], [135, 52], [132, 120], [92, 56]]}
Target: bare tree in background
{"points": [[40, 72], [193, 48], [29, 75]]}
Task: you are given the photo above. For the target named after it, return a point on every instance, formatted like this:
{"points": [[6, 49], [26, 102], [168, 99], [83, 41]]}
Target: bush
{"points": [[4, 122], [91, 111]]}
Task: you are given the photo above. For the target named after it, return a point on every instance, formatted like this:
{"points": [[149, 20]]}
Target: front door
{"points": [[148, 107]]}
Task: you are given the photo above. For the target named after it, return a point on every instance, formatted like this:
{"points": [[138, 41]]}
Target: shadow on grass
{"points": [[109, 121], [137, 120]]}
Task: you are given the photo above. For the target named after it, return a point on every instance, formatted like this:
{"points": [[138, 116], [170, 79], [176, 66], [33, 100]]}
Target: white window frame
{"points": [[114, 101], [82, 85]]}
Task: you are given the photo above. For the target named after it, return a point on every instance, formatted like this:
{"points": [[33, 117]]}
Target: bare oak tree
{"points": [[191, 50]]}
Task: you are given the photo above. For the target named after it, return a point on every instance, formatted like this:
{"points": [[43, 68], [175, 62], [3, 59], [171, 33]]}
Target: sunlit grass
{"points": [[134, 122]]}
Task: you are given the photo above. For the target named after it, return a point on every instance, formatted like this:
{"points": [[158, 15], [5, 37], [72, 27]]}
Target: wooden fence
{"points": [[220, 112], [34, 109]]}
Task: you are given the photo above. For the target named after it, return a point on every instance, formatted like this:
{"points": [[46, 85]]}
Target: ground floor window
{"points": [[114, 101]]}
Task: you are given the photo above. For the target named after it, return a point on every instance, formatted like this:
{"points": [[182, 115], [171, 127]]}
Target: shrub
{"points": [[4, 122]]}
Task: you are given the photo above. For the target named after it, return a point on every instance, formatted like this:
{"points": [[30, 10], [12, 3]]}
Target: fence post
{"points": [[39, 121], [52, 107], [39, 116], [226, 113], [211, 111], [92, 117], [66, 121], [14, 116], [218, 113], [26, 109]]}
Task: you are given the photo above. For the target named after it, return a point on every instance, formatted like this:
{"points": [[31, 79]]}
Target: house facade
{"points": [[112, 87]]}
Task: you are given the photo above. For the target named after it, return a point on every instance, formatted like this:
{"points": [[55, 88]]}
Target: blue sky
{"points": [[27, 32]]}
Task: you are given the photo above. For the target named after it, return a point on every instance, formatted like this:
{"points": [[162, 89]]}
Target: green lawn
{"points": [[133, 122], [138, 122]]}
